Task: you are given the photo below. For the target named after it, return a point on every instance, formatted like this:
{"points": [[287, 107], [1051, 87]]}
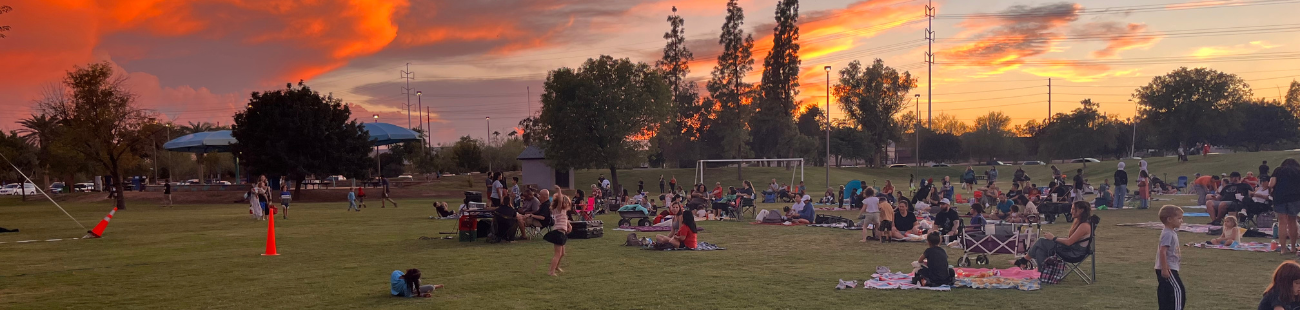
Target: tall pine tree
{"points": [[772, 128], [678, 141], [730, 95]]}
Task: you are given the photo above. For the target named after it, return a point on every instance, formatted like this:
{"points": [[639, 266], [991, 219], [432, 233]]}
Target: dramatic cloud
{"points": [[1017, 32], [1214, 51], [1118, 37]]}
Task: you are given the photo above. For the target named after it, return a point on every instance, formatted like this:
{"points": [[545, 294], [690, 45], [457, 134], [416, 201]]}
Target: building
{"points": [[540, 174]]}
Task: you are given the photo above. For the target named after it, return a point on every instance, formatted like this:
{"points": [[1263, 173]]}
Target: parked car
{"points": [[1033, 163], [336, 178], [221, 183], [84, 187], [405, 177], [193, 182], [57, 187], [995, 163], [1084, 160], [938, 165], [17, 189], [898, 166]]}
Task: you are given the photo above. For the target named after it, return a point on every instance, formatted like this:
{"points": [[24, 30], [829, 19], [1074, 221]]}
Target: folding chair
{"points": [[1182, 184], [1074, 263], [747, 205]]}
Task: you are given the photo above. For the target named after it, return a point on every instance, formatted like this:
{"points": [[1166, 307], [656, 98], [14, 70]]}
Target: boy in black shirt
{"points": [[932, 267]]}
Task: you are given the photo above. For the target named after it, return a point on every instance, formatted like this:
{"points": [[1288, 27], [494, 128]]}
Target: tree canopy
{"points": [[598, 115], [296, 132], [871, 96], [1188, 106]]}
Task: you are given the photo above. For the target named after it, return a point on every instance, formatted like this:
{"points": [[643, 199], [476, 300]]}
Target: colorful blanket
{"points": [[897, 280], [1193, 228], [836, 225], [644, 228], [1012, 273], [701, 246], [1241, 246], [773, 224], [1196, 214], [1010, 278]]}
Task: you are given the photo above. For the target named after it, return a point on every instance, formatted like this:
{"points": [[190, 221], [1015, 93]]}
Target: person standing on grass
{"points": [[1263, 170], [386, 197], [672, 183], [968, 179], [1121, 186], [560, 231], [1205, 149], [494, 189], [661, 184], [352, 200], [285, 197], [254, 205], [1170, 294], [167, 191], [361, 197], [1144, 189], [1285, 184], [515, 189], [870, 213]]}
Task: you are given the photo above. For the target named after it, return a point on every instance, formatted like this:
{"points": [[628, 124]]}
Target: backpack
{"points": [[1052, 271], [772, 217], [632, 240]]}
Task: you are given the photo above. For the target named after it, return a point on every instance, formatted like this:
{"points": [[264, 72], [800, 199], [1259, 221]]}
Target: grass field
{"points": [[206, 256]]}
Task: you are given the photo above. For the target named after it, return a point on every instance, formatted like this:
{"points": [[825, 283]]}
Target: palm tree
{"points": [[39, 130]]}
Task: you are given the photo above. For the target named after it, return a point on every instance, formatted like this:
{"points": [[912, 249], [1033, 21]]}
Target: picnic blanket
{"points": [[773, 224], [1010, 273], [1192, 207], [1194, 228], [700, 246], [1195, 214], [1240, 246], [1000, 283], [644, 228], [897, 280], [836, 225]]}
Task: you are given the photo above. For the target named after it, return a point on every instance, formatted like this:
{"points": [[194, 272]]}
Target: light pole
{"points": [[419, 106], [828, 126], [379, 170], [488, 138], [1132, 147], [917, 127]]}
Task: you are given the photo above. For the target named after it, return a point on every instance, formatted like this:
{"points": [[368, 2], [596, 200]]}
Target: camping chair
{"points": [[747, 205], [1075, 263], [538, 231], [1182, 184]]}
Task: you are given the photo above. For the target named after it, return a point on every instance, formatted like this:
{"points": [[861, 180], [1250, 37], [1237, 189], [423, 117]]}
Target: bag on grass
{"points": [[632, 240], [1052, 271]]}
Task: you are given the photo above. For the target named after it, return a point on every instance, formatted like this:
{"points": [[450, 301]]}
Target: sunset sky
{"points": [[198, 60]]}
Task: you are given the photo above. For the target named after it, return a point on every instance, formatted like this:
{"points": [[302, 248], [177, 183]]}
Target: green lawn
{"points": [[206, 256]]}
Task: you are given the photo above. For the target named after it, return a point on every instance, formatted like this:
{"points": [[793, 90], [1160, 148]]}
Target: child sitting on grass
{"points": [[932, 268], [408, 284], [1231, 233]]}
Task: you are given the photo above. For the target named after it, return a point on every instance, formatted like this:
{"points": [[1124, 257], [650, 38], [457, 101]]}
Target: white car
{"points": [[14, 189], [1085, 160], [83, 187]]}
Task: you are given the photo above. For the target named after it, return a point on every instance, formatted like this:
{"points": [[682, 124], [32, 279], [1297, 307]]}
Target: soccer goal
{"points": [[795, 175]]}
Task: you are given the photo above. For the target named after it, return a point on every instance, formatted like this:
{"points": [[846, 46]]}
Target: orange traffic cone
{"points": [[270, 235], [99, 229]]}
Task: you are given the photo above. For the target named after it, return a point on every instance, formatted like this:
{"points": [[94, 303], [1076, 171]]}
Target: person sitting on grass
{"points": [[932, 267], [1231, 233], [904, 221], [1104, 198], [441, 208], [792, 216], [977, 214], [684, 230], [1284, 292], [1004, 204], [408, 284], [829, 197]]}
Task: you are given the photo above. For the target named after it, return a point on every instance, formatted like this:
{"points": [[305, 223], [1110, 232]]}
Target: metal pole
{"points": [[489, 138], [1132, 148], [917, 126], [828, 126]]}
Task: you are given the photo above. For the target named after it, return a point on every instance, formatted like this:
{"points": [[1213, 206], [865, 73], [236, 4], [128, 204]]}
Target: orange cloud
{"points": [[1021, 32], [1214, 51], [1118, 37]]}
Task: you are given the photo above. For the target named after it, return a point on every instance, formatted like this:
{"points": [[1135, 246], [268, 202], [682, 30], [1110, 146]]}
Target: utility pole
{"points": [[828, 126], [419, 106], [529, 96], [929, 60], [1049, 100], [917, 128], [408, 75], [428, 119]]}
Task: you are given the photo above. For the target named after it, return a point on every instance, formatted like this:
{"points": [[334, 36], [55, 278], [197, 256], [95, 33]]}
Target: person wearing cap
{"points": [[1229, 198], [947, 220], [804, 210], [1204, 186]]}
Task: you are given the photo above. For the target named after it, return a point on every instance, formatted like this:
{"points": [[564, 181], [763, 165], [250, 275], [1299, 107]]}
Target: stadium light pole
{"points": [[917, 127], [1132, 147], [828, 126], [488, 138]]}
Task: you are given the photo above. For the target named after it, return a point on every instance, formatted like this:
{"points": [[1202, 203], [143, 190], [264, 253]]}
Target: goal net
{"points": [[735, 171]]}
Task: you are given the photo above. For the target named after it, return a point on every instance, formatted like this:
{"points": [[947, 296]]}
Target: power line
{"points": [[1118, 9]]}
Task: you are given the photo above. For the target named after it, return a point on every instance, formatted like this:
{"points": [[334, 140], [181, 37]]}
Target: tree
{"points": [[772, 128], [1188, 106], [939, 146], [467, 155], [1293, 98], [296, 132], [848, 143], [871, 96], [678, 140], [4, 9], [40, 130], [1084, 132], [19, 152], [1264, 123], [101, 121], [990, 137], [729, 94], [949, 124], [593, 114]]}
